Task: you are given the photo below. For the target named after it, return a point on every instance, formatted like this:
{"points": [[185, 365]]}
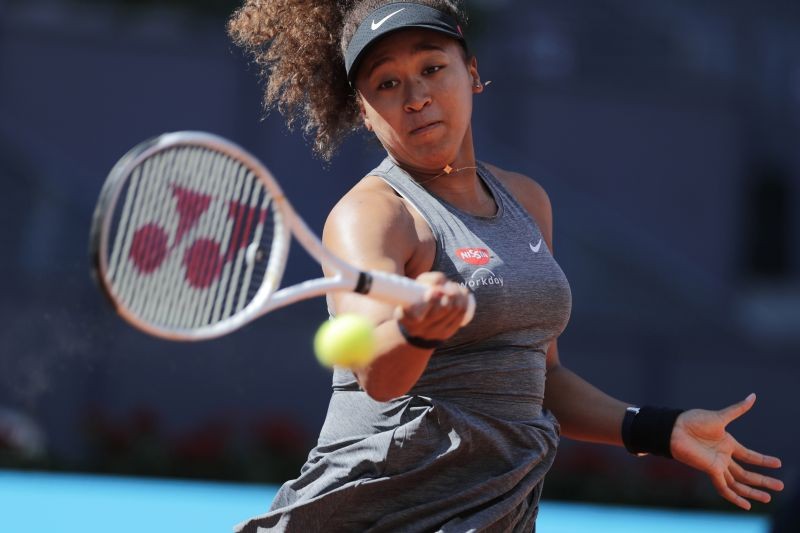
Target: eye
{"points": [[389, 84], [433, 69]]}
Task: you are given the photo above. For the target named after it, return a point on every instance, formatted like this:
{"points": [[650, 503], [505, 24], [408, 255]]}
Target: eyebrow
{"points": [[418, 49]]}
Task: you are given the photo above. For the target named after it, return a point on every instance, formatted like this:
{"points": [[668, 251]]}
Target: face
{"points": [[415, 92]]}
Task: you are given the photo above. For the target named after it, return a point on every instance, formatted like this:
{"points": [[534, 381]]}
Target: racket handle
{"points": [[403, 291]]}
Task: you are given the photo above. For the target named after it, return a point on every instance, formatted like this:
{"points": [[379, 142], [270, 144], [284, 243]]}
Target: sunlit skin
{"points": [[415, 79]]}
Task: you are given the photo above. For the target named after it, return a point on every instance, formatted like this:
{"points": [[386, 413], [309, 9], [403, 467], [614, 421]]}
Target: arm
{"points": [[699, 437], [372, 228], [584, 412]]}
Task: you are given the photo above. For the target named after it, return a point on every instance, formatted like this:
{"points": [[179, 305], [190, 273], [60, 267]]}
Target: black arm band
{"points": [[419, 342], [649, 429]]}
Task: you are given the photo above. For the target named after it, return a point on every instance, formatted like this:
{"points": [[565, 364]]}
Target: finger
{"points": [[749, 456], [732, 412], [746, 491], [445, 295], [432, 278], [754, 478], [418, 311], [436, 296], [439, 320], [463, 300], [454, 294], [721, 484], [442, 293], [447, 313], [454, 318]]}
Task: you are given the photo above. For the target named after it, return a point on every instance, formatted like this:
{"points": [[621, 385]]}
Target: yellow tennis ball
{"points": [[347, 340]]}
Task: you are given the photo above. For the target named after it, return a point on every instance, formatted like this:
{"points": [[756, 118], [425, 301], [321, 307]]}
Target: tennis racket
{"points": [[190, 239]]}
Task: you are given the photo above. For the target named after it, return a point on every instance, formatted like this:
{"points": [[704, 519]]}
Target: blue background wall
{"points": [[665, 133]]}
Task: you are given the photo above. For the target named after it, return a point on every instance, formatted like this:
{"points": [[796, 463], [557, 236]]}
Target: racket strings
{"points": [[191, 238]]}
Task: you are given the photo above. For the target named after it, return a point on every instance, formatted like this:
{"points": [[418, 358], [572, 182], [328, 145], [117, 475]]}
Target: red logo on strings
{"points": [[203, 259]]}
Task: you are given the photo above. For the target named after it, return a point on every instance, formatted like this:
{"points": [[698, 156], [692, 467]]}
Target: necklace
{"points": [[446, 170]]}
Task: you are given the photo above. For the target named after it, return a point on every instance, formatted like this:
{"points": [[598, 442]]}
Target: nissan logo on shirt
{"points": [[473, 256]]}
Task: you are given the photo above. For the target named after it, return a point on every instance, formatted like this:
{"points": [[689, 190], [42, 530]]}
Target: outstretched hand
{"points": [[700, 440]]}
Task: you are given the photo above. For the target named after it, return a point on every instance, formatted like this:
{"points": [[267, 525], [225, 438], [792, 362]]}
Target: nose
{"points": [[417, 96]]}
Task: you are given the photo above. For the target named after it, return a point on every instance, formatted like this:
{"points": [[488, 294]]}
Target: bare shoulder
{"points": [[369, 199], [371, 227], [531, 195]]}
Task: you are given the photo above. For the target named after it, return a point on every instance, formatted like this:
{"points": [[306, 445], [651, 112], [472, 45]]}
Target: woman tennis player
{"points": [[449, 428]]}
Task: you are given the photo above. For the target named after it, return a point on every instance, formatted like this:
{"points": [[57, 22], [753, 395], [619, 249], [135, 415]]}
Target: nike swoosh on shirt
{"points": [[376, 25], [535, 249]]}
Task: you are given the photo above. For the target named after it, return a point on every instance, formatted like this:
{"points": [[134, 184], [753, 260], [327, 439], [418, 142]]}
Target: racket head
{"points": [[189, 237]]}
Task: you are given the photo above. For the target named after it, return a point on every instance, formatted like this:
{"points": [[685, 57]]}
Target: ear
{"points": [[472, 67], [363, 112]]}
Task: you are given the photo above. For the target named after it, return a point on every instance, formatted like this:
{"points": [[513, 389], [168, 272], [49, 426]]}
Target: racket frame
{"points": [[388, 287]]}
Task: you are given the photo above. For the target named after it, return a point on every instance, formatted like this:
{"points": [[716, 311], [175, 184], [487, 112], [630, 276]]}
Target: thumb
{"points": [[732, 412]]}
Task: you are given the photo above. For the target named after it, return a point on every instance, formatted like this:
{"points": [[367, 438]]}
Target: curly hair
{"points": [[299, 47]]}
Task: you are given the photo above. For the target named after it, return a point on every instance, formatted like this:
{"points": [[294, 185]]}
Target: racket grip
{"points": [[403, 291]]}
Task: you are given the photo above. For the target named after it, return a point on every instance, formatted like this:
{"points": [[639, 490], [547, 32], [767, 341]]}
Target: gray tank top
{"points": [[523, 298], [468, 447]]}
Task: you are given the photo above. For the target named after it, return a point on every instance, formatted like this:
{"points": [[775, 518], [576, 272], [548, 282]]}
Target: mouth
{"points": [[425, 128]]}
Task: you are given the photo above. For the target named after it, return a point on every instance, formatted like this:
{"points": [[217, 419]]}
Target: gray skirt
{"points": [[418, 464]]}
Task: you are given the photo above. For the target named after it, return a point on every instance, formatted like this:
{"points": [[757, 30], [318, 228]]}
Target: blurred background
{"points": [[666, 133]]}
